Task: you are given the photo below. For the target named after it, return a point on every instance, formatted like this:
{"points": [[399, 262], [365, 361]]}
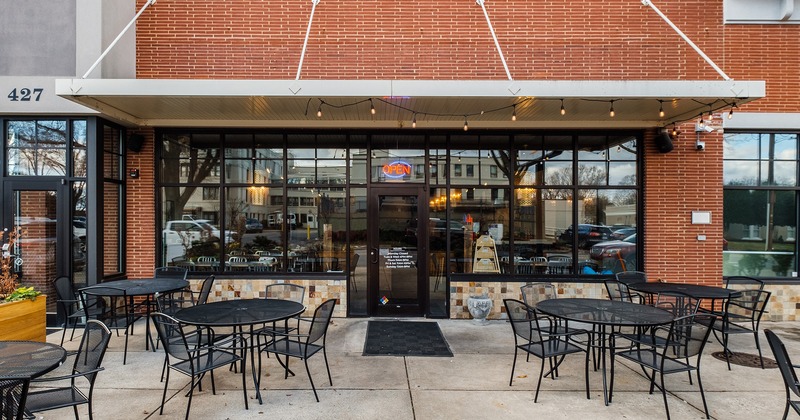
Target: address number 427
{"points": [[25, 94]]}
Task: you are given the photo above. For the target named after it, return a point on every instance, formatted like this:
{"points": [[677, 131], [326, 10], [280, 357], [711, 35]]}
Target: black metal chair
{"points": [[69, 389], [69, 304], [303, 346], [174, 272], [529, 338], [787, 371], [668, 350], [13, 395], [205, 290], [743, 283], [618, 290], [741, 315], [631, 277], [190, 357]]}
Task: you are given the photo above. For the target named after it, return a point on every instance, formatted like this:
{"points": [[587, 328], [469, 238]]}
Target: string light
{"points": [[563, 110], [700, 122], [730, 114], [466, 126], [414, 121], [611, 112], [514, 114], [661, 108], [674, 130], [371, 107], [319, 111]]}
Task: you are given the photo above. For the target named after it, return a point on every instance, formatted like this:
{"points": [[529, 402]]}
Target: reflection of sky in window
{"points": [[785, 147], [739, 172], [622, 173], [740, 146]]}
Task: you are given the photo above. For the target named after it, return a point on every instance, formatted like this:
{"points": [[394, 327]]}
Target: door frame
{"points": [[64, 232], [373, 240]]}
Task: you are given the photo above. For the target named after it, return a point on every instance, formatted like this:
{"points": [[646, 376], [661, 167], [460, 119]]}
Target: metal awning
{"points": [[432, 103]]}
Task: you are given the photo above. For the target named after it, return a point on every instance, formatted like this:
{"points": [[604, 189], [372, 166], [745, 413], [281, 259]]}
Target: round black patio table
{"points": [[137, 287], [241, 313], [29, 359], [698, 291], [602, 313]]}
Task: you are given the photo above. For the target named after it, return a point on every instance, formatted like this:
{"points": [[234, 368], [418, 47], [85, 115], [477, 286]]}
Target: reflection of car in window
{"points": [[588, 235], [253, 226], [616, 255]]}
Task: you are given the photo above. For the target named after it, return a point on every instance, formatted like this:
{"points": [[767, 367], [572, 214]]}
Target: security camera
{"points": [[700, 145]]}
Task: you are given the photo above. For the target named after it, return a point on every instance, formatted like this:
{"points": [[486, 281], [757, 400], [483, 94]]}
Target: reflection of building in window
{"points": [[457, 169], [470, 171], [210, 193]]}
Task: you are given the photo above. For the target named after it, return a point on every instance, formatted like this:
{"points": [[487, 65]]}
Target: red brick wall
{"points": [[141, 210], [446, 40]]}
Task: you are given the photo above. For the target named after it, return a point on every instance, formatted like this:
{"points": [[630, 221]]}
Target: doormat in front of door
{"points": [[405, 338]]}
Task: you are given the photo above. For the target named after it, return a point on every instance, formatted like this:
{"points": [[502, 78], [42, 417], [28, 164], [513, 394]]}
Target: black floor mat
{"points": [[405, 338]]}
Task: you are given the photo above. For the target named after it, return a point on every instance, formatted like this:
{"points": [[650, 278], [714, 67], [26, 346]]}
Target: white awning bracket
{"points": [[686, 38], [494, 36], [314, 4], [114, 42]]}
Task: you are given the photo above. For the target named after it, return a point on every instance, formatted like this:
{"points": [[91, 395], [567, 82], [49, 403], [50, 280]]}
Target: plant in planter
{"points": [[23, 314]]}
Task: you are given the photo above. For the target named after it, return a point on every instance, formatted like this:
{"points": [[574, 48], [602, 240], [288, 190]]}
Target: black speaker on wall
{"points": [[664, 142], [135, 142]]}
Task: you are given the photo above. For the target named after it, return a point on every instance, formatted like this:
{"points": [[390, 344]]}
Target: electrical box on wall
{"points": [[134, 173], [701, 217]]}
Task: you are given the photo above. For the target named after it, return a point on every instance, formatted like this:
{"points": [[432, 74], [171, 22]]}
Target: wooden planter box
{"points": [[24, 320]]}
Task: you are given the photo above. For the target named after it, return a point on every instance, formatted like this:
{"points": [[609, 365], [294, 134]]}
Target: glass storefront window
{"points": [[36, 147], [485, 213], [760, 232]]}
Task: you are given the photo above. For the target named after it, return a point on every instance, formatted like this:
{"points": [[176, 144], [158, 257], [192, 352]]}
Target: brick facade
{"points": [[450, 40]]}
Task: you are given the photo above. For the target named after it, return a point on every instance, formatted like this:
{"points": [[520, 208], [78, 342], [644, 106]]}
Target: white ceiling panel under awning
{"points": [[432, 103]]}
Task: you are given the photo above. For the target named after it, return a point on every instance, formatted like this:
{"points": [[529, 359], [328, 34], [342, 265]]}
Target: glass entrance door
{"points": [[397, 252], [49, 245]]}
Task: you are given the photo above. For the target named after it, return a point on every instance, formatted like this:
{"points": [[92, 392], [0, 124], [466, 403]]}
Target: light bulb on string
{"points": [[466, 126], [414, 121], [730, 114], [700, 122], [563, 110], [319, 111], [611, 112], [661, 109], [514, 114], [674, 130], [371, 107]]}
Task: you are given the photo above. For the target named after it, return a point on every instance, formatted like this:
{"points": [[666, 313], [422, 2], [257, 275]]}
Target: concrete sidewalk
{"points": [[471, 385]]}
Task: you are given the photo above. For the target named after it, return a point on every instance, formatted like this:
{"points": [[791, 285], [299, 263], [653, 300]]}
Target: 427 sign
{"points": [[25, 94]]}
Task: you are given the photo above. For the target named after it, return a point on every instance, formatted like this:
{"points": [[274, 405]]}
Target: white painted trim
{"points": [[588, 89], [762, 121]]}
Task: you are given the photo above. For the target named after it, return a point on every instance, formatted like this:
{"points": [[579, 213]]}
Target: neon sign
{"points": [[397, 169]]}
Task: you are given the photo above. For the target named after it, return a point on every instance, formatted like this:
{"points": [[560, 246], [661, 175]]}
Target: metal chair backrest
{"points": [[631, 277], [677, 303], [524, 321], [286, 291], [171, 272], [533, 293], [784, 363], [320, 322], [743, 283], [618, 291], [172, 337], [13, 393], [749, 305], [205, 289], [93, 347], [64, 289], [688, 336]]}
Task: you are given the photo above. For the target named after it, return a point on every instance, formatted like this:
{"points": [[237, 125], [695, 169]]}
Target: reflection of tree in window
{"points": [[200, 163]]}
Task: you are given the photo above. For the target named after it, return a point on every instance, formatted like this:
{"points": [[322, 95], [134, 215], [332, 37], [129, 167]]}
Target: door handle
{"points": [[373, 255]]}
